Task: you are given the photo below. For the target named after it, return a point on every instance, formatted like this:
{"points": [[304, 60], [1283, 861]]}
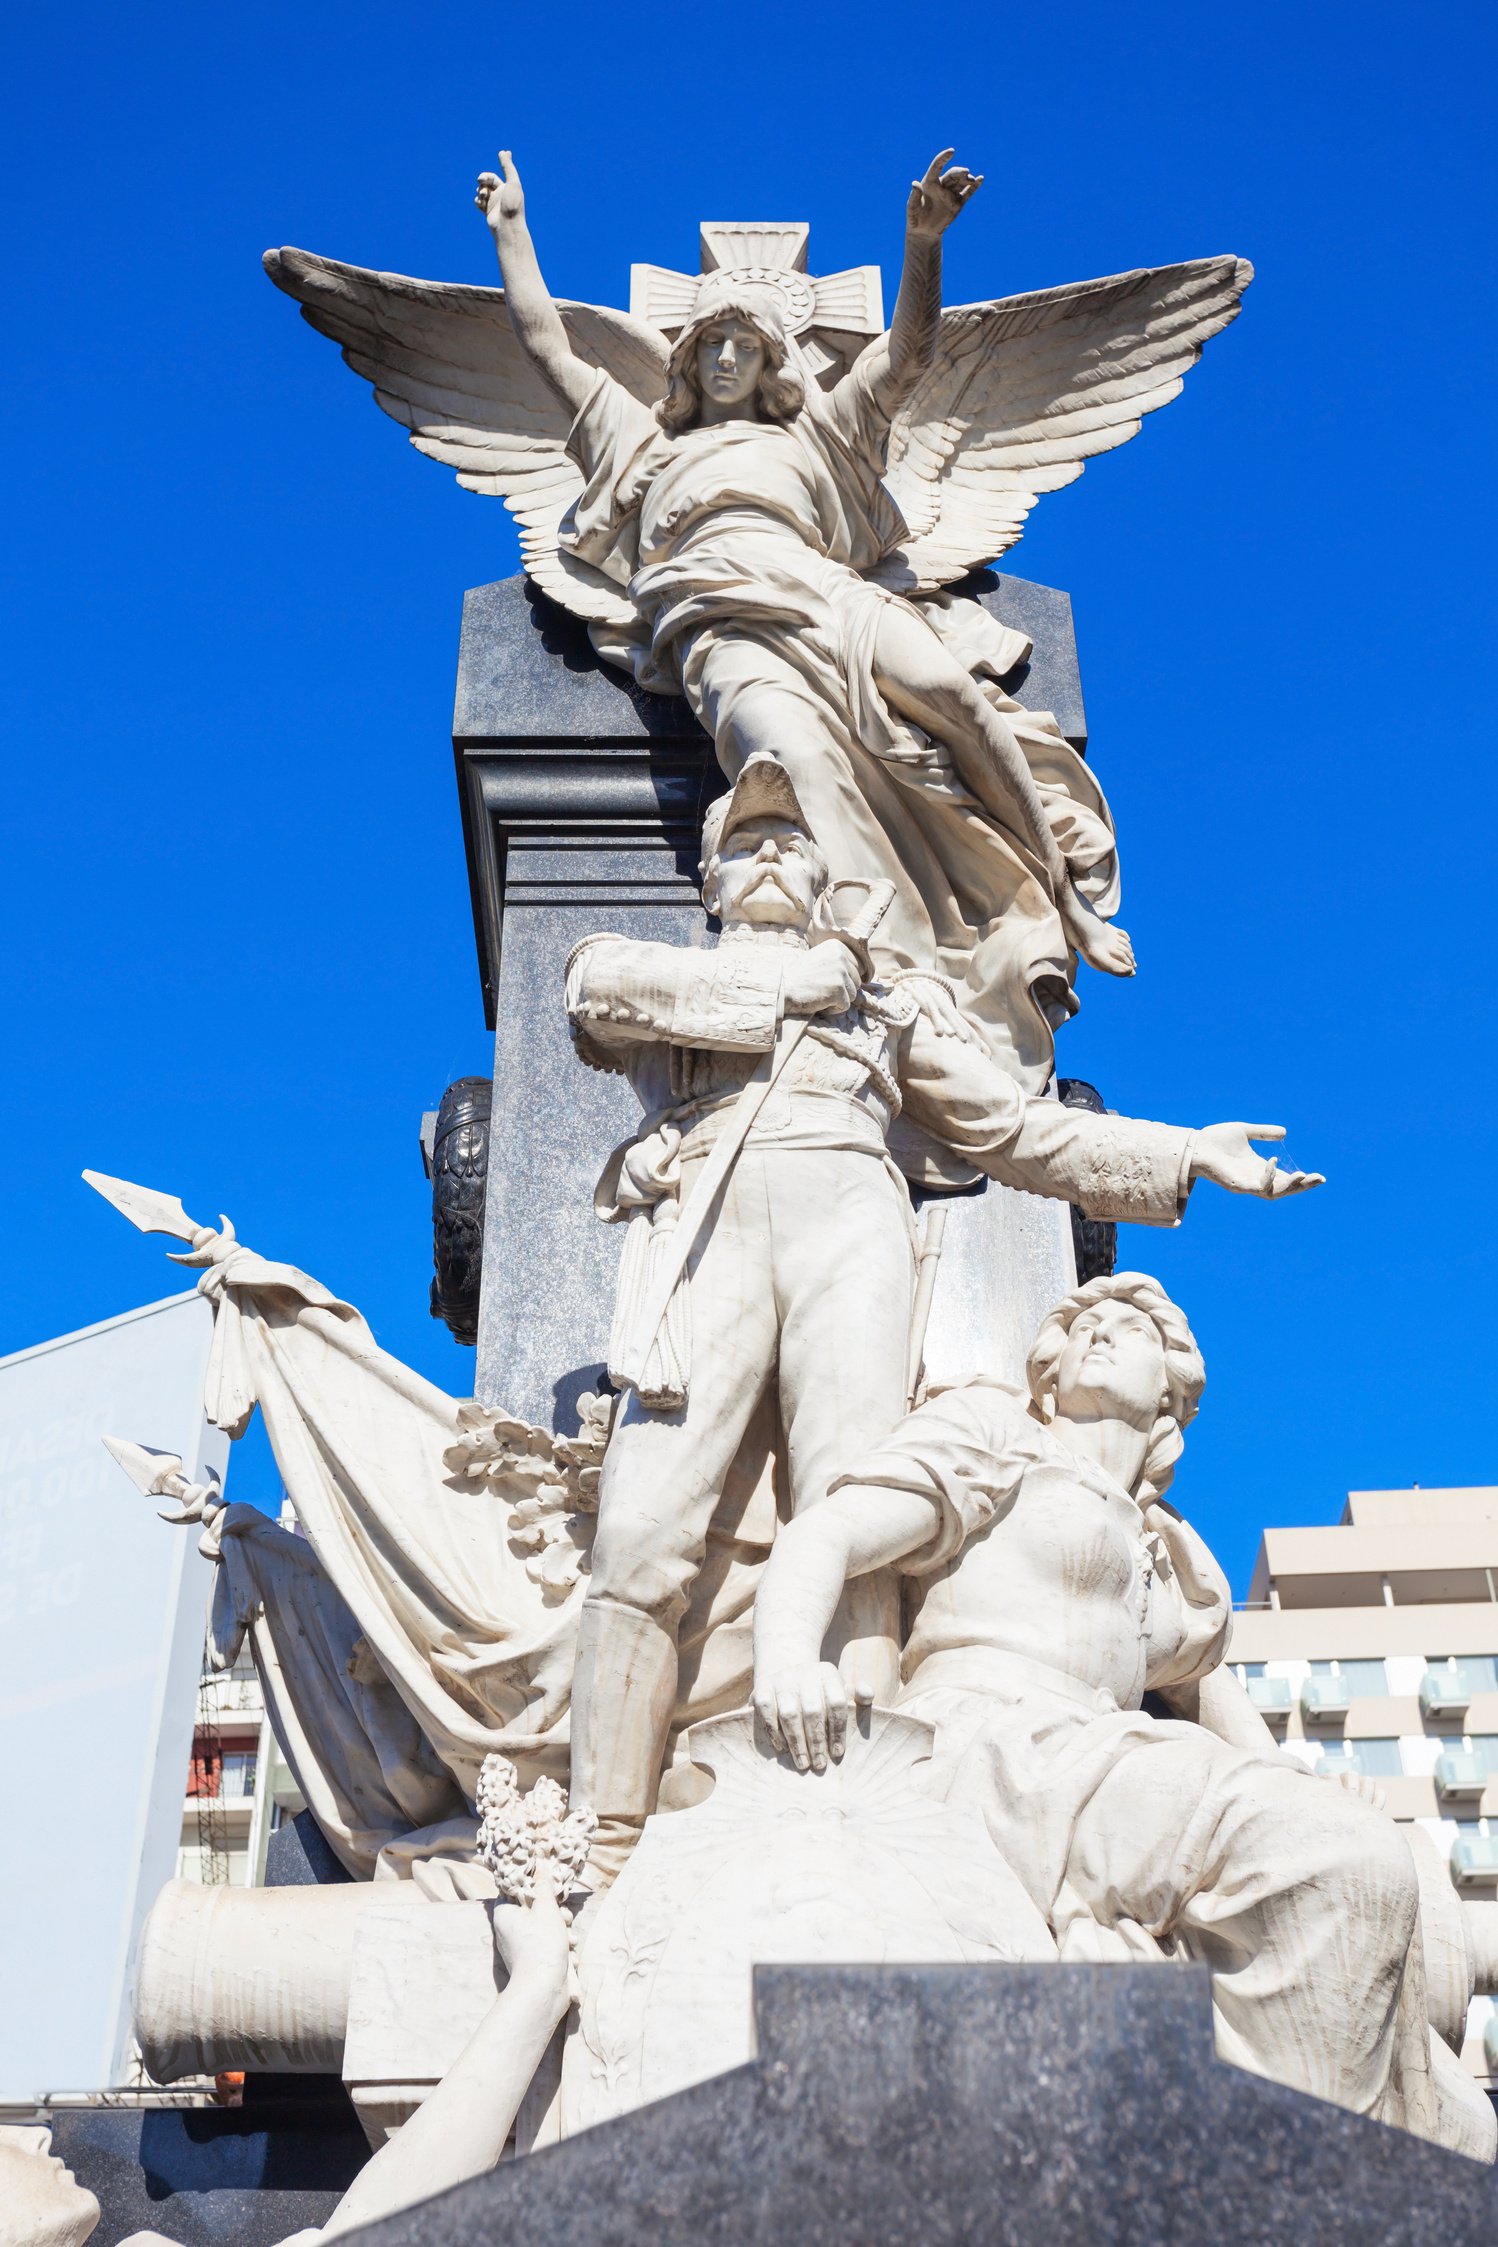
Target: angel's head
{"points": [[761, 867], [1119, 1348], [731, 361]]}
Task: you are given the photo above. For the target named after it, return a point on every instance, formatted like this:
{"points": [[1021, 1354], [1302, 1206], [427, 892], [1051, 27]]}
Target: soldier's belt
{"points": [[797, 1121]]}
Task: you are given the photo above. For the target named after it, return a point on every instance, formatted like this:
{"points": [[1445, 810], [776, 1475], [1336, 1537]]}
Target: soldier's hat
{"points": [[762, 791]]}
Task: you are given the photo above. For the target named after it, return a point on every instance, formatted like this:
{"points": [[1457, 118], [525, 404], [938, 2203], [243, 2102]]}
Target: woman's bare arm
{"points": [[533, 315], [934, 202], [460, 2128], [801, 1700]]}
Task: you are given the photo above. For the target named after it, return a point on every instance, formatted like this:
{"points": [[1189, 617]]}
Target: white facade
{"points": [[101, 1631]]}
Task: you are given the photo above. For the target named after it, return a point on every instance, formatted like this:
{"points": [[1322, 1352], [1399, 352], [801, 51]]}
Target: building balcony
{"points": [[1461, 1775], [1447, 1689], [1270, 1696], [1474, 1859], [1323, 1698]]}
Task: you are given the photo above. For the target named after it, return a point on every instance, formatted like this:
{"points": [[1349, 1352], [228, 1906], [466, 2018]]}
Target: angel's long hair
{"points": [[1185, 1374], [781, 393]]}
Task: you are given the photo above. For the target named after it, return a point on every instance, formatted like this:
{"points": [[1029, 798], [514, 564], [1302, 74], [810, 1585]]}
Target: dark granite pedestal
{"points": [[1043, 2106], [244, 2176]]}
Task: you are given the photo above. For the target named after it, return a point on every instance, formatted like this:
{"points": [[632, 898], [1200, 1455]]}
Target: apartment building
{"points": [[1372, 1646], [238, 1786]]}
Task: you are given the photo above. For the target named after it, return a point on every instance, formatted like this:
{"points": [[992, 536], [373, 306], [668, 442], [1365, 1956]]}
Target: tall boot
{"points": [[623, 1699]]}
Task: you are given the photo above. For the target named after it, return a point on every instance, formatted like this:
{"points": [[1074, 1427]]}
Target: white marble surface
{"points": [[855, 1864]]}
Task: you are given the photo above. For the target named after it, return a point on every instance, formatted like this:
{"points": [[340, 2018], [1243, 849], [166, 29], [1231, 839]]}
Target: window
{"points": [[1243, 1671], [239, 1774], [1363, 1680], [1378, 1759], [1373, 1759]]}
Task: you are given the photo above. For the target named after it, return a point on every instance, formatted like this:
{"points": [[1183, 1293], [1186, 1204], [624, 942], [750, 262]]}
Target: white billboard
{"points": [[102, 1612]]}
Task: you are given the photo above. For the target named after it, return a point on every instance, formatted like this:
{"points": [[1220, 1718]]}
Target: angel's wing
{"points": [[1022, 392], [446, 363]]}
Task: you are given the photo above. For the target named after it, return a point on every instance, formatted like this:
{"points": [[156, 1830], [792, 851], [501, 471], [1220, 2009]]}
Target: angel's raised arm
{"points": [[533, 315], [934, 202]]}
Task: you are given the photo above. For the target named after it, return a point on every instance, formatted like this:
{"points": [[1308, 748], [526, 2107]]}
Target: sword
{"points": [[857, 932], [925, 1288]]}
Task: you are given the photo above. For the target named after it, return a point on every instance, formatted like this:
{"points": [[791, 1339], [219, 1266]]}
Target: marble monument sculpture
{"points": [[839, 1661], [770, 1070]]}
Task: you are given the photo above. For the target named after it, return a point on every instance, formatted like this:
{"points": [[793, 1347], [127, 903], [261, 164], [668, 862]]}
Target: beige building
{"points": [[1373, 1646]]}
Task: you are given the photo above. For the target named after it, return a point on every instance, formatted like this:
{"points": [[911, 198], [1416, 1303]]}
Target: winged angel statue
{"points": [[740, 519]]}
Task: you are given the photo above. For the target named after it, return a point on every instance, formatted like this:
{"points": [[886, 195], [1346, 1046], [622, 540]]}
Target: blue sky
{"points": [[239, 957]]}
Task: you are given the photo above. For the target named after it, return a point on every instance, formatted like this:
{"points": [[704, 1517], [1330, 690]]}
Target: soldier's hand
{"points": [[805, 1711], [1225, 1155], [825, 980]]}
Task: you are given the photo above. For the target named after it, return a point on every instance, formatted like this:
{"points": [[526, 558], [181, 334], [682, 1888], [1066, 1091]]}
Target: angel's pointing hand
{"points": [[501, 198], [936, 199]]}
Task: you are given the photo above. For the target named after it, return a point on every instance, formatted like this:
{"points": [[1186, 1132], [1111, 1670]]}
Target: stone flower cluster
{"points": [[519, 1833]]}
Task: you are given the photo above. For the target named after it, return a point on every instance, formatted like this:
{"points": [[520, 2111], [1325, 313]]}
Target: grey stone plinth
{"points": [[582, 810], [1024, 2106]]}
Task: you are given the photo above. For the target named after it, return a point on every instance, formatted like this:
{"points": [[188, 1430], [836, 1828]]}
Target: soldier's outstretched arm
{"points": [[1119, 1167]]}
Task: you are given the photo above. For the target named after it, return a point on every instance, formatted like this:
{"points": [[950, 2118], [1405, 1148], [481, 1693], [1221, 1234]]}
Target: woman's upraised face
{"points": [[1112, 1365], [730, 363], [41, 2200]]}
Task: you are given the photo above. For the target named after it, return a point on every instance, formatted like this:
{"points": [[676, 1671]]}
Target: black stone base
{"points": [[299, 1855], [218, 2176], [1024, 2106]]}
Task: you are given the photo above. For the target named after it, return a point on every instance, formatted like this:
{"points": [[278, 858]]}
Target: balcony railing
{"points": [[1270, 1696], [1461, 1775], [1446, 1689]]}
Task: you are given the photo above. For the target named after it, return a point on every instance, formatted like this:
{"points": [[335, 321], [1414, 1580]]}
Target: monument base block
{"points": [[1075, 2106]]}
